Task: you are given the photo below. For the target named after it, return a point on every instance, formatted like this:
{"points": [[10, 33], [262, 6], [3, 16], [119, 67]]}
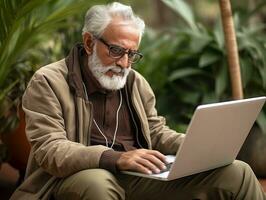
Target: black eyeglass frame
{"points": [[125, 51]]}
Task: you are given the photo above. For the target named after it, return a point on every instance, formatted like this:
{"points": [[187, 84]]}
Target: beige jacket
{"points": [[58, 119]]}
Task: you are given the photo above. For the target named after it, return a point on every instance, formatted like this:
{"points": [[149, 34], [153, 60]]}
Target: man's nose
{"points": [[123, 61]]}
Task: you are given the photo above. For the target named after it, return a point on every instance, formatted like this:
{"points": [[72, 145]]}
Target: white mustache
{"points": [[112, 68]]}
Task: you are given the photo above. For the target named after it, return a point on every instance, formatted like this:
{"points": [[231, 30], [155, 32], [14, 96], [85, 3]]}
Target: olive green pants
{"points": [[235, 181]]}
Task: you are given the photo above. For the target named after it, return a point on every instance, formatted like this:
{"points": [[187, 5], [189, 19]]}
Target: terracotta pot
{"points": [[17, 144]]}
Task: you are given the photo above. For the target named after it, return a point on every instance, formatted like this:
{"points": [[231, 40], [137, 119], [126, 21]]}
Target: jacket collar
{"points": [[74, 72]]}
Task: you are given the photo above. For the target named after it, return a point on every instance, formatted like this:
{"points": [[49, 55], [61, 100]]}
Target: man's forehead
{"points": [[119, 31]]}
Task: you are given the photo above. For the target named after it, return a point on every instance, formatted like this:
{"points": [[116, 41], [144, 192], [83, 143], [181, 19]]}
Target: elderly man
{"points": [[89, 116]]}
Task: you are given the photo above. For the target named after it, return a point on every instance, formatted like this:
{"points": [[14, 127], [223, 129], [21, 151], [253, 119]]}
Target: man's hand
{"points": [[142, 160]]}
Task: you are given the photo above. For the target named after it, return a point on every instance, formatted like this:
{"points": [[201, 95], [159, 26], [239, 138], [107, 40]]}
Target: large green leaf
{"points": [[208, 58], [249, 42], [184, 10], [185, 72], [219, 35], [246, 70], [221, 80], [197, 40]]}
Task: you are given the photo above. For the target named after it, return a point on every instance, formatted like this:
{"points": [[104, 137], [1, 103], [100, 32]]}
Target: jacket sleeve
{"points": [[46, 132], [163, 139]]}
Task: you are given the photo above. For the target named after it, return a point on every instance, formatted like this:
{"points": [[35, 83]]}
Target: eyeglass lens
{"points": [[118, 52]]}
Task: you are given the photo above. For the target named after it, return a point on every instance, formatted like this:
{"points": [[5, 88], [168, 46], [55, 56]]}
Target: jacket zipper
{"points": [[135, 124], [88, 135]]}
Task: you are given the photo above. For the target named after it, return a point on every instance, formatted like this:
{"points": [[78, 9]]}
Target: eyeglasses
{"points": [[118, 52]]}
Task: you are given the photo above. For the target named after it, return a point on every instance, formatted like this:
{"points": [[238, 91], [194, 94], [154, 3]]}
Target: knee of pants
{"points": [[241, 169], [90, 184], [234, 174], [95, 178]]}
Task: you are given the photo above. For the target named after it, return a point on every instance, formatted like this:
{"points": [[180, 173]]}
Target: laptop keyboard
{"points": [[168, 166]]}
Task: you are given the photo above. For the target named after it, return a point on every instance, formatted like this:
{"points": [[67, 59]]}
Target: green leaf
{"points": [[7, 89], [208, 58], [198, 39], [65, 11], [219, 35], [246, 70], [189, 97], [182, 73], [221, 80], [184, 10]]}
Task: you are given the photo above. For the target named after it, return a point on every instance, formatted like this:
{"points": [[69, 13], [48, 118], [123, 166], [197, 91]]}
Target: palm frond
{"points": [[24, 21]]}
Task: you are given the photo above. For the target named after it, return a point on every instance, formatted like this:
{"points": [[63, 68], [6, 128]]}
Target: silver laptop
{"points": [[213, 138]]}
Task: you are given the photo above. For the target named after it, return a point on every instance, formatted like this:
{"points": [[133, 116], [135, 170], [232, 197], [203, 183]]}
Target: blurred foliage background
{"points": [[184, 54]]}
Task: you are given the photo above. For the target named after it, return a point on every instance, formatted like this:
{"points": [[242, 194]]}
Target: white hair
{"points": [[99, 17]]}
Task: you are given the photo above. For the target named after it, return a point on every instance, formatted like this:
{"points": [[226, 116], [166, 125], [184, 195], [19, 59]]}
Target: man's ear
{"points": [[88, 42]]}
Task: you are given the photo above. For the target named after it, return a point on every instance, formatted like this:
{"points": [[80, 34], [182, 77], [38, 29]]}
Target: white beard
{"points": [[115, 82]]}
